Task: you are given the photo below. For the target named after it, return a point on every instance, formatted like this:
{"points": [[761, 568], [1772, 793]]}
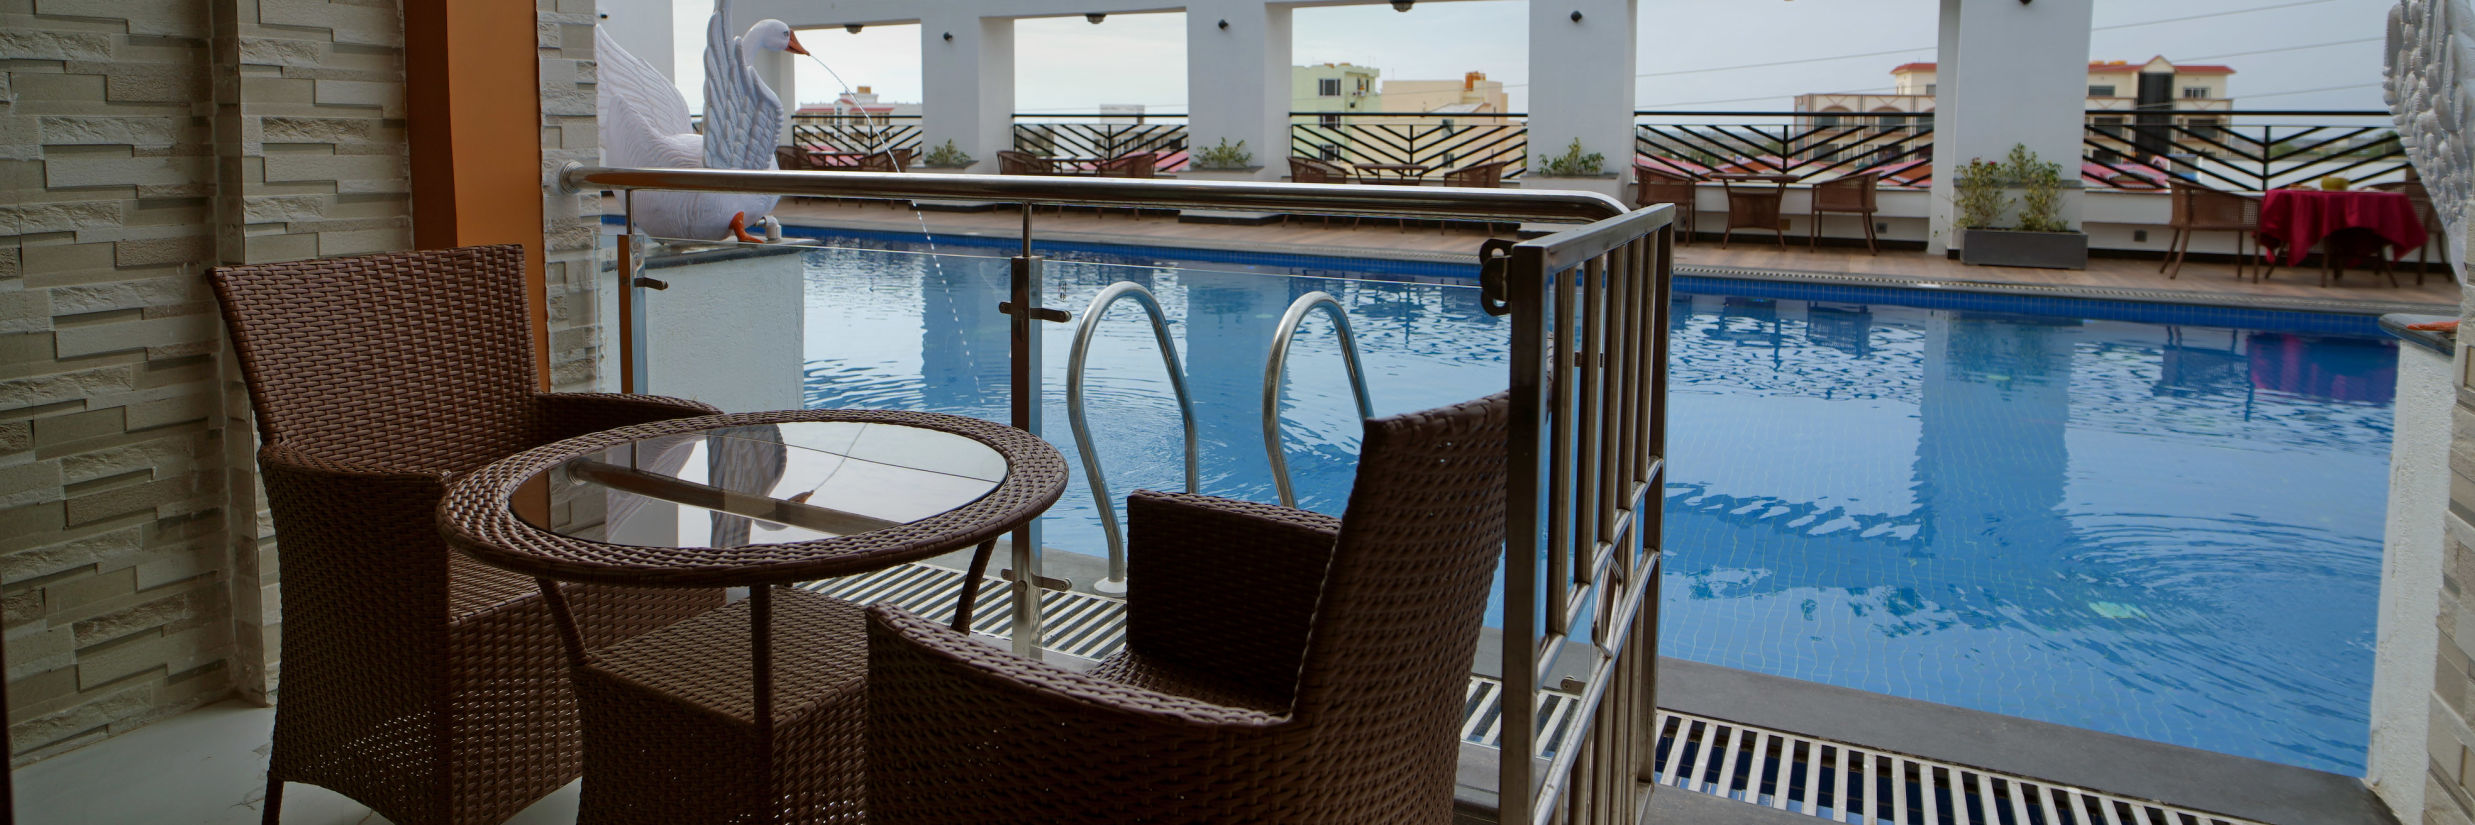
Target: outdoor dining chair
{"points": [[2197, 208], [1850, 194], [1478, 175], [2422, 198], [1311, 170], [416, 681], [1280, 665], [1129, 165], [1010, 162], [1653, 186]]}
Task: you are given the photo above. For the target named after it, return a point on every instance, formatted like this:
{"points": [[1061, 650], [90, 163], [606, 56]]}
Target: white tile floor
{"points": [[204, 767]]}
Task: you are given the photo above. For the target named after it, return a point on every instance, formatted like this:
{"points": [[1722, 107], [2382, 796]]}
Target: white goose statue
{"points": [[644, 122]]}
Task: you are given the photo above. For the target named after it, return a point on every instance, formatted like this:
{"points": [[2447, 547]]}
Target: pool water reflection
{"points": [[2155, 522]]}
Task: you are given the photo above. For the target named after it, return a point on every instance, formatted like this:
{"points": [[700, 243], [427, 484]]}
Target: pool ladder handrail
{"points": [[1274, 367], [1115, 584]]}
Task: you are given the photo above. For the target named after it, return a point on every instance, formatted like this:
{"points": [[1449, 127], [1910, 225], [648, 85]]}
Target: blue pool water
{"points": [[2154, 521]]}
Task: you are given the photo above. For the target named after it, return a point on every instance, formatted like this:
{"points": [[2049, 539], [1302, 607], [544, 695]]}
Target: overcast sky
{"points": [[2287, 54]]}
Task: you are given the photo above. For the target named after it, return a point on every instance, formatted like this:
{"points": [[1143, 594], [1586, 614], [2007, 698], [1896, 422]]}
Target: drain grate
{"points": [[1078, 624], [1845, 783], [1816, 777]]}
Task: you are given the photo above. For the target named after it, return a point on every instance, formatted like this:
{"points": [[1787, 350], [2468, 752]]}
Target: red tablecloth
{"points": [[2292, 220]]}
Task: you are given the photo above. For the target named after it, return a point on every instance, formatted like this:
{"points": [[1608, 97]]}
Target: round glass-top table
{"points": [[753, 498]]}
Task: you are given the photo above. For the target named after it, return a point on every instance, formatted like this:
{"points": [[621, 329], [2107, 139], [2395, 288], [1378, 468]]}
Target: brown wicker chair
{"points": [[1280, 666], [1129, 165], [1010, 162], [2433, 233], [1478, 175], [1753, 207], [889, 160], [1852, 194], [1653, 186], [1310, 170], [2197, 208], [416, 681]]}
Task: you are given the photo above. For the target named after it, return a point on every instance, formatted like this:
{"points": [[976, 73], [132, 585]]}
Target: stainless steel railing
{"points": [[1077, 360], [1588, 379], [1277, 365]]}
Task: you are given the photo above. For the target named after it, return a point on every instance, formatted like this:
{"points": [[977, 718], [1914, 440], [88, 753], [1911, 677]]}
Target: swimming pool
{"points": [[2162, 522]]}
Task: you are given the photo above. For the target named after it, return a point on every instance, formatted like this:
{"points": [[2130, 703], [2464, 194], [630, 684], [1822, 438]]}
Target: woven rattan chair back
{"points": [[1280, 665], [1010, 162], [1478, 175], [1310, 170], [1130, 165], [1656, 186], [1851, 193], [416, 681], [411, 361], [2200, 207], [891, 160]]}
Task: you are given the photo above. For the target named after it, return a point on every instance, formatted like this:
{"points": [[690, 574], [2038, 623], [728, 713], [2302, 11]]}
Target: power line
{"points": [[2288, 48], [2209, 15], [2309, 91]]}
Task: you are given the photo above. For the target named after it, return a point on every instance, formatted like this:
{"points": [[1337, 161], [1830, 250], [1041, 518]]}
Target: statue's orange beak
{"points": [[794, 47]]}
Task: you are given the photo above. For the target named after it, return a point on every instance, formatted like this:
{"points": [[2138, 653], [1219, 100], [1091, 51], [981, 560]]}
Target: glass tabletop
{"points": [[760, 484]]}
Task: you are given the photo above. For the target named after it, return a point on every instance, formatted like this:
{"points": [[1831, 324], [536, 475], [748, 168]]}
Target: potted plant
{"points": [[1575, 169], [2036, 235], [1227, 161], [948, 157]]}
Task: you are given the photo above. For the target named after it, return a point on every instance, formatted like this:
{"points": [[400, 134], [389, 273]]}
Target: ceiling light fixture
{"points": [[852, 27], [1402, 5], [1095, 17]]}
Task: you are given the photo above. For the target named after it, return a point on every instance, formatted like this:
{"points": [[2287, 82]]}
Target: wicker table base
{"points": [[670, 729]]}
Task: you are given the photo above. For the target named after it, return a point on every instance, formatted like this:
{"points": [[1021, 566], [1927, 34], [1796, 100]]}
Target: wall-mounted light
{"points": [[852, 27], [1576, 15], [949, 37], [1224, 25], [1095, 17], [1402, 5]]}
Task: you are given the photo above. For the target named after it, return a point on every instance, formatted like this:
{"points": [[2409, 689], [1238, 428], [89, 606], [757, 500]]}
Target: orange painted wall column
{"points": [[473, 117]]}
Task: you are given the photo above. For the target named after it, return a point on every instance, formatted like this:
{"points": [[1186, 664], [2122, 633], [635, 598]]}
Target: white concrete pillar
{"points": [[967, 73], [2009, 74], [1581, 78], [1237, 79], [1941, 214]]}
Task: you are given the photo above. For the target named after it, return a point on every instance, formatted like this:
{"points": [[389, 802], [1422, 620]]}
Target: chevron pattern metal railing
{"points": [[1435, 141], [1104, 136], [831, 139], [1812, 146], [2139, 150]]}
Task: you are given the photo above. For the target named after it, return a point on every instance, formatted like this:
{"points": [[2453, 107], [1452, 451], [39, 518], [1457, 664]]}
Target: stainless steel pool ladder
{"points": [[1115, 584], [1278, 363]]}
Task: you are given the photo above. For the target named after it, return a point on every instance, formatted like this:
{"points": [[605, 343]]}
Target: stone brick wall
{"points": [[571, 224], [140, 142], [2427, 89]]}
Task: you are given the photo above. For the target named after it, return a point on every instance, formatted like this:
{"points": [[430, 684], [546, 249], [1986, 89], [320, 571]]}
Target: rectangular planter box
{"points": [[2003, 247]]}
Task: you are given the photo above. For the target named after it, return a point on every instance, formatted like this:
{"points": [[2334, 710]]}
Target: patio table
{"points": [[1753, 207], [1404, 174], [757, 706], [2357, 224]]}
